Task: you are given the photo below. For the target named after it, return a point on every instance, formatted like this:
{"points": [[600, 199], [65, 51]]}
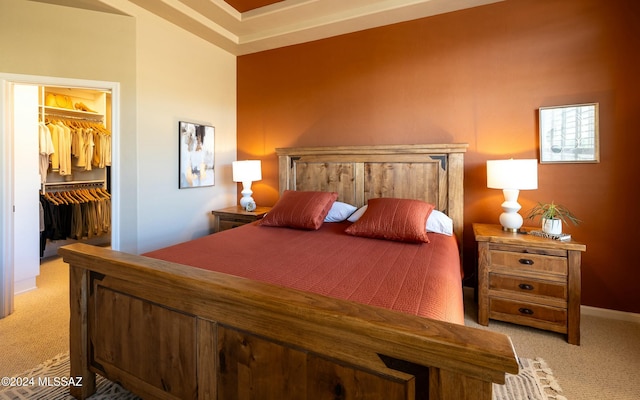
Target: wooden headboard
{"points": [[430, 172]]}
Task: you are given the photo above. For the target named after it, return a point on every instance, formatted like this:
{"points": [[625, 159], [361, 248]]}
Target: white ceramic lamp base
{"points": [[510, 220], [246, 195]]}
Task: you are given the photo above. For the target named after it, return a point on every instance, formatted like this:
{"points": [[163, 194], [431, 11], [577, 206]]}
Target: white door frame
{"points": [[7, 172]]}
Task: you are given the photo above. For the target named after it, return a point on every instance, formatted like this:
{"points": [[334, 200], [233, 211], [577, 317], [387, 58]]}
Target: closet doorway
{"points": [[22, 107]]}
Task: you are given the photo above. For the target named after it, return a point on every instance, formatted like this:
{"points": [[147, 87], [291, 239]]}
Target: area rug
{"points": [[535, 381], [49, 384]]}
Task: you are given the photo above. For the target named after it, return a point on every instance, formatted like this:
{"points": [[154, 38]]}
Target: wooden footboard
{"points": [[169, 331]]}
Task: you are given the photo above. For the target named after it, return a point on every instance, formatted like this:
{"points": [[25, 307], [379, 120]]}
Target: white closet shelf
{"points": [[94, 183], [72, 113], [74, 182]]}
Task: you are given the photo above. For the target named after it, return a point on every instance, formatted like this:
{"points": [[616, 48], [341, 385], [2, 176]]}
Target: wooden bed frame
{"points": [[169, 331]]}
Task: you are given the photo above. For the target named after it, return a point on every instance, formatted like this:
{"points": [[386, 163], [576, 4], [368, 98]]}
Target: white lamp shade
{"points": [[512, 174], [247, 171]]}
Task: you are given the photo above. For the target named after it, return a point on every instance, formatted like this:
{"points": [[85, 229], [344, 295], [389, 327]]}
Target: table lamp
{"points": [[512, 176], [246, 172]]}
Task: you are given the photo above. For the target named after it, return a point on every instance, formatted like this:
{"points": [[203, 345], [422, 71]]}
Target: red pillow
{"points": [[302, 210], [403, 220]]}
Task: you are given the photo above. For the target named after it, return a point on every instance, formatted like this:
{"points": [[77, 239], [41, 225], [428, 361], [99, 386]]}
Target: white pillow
{"points": [[438, 222], [339, 212], [356, 215]]}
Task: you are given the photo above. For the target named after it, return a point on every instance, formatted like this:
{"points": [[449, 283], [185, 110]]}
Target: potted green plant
{"points": [[553, 215]]}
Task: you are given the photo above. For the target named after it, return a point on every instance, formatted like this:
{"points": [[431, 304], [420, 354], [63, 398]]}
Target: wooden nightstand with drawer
{"points": [[529, 280], [232, 217]]}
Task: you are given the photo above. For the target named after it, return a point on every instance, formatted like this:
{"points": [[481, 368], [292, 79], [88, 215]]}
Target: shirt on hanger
{"points": [[45, 144]]}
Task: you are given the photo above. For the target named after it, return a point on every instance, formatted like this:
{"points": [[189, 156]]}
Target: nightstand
{"points": [[529, 280], [235, 216]]}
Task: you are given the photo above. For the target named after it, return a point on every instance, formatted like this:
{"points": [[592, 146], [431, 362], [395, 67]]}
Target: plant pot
{"points": [[552, 226]]}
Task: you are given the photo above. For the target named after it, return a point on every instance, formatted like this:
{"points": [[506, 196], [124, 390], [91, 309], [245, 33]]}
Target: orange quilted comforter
{"points": [[420, 279]]}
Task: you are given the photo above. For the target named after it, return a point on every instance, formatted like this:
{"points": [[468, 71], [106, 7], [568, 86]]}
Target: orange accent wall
{"points": [[476, 76]]}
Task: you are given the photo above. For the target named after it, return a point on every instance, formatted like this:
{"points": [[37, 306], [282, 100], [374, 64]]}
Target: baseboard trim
{"points": [[610, 314], [25, 285]]}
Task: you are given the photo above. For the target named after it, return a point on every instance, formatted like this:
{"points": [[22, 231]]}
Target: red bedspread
{"points": [[419, 279]]}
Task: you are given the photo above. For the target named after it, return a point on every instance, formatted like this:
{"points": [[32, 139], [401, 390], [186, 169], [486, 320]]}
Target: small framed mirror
{"points": [[569, 134]]}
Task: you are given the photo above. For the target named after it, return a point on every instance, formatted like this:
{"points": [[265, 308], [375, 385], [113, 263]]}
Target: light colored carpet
{"points": [[600, 368], [38, 329], [603, 367]]}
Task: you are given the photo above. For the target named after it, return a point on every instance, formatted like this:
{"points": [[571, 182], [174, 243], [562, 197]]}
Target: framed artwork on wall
{"points": [[196, 154], [569, 134]]}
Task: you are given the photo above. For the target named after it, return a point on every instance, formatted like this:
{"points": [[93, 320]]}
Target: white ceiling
{"points": [[282, 23]]}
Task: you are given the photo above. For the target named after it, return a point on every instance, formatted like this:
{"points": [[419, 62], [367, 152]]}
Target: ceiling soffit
{"points": [[249, 26]]}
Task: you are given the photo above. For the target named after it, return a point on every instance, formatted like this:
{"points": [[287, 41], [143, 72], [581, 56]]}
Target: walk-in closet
{"points": [[74, 146], [57, 140]]}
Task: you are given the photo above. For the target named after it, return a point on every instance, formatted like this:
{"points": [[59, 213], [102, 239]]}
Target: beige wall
{"points": [[180, 77], [165, 75], [33, 43]]}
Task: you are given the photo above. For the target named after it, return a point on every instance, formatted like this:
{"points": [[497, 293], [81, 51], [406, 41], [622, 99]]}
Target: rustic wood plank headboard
{"points": [[430, 172]]}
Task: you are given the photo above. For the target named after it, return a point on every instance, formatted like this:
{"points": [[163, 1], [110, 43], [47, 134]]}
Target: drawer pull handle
{"points": [[525, 286], [525, 261], [526, 311]]}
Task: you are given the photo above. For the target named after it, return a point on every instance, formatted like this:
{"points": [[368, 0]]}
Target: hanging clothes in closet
{"points": [[47, 149], [75, 160], [75, 144], [75, 214]]}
